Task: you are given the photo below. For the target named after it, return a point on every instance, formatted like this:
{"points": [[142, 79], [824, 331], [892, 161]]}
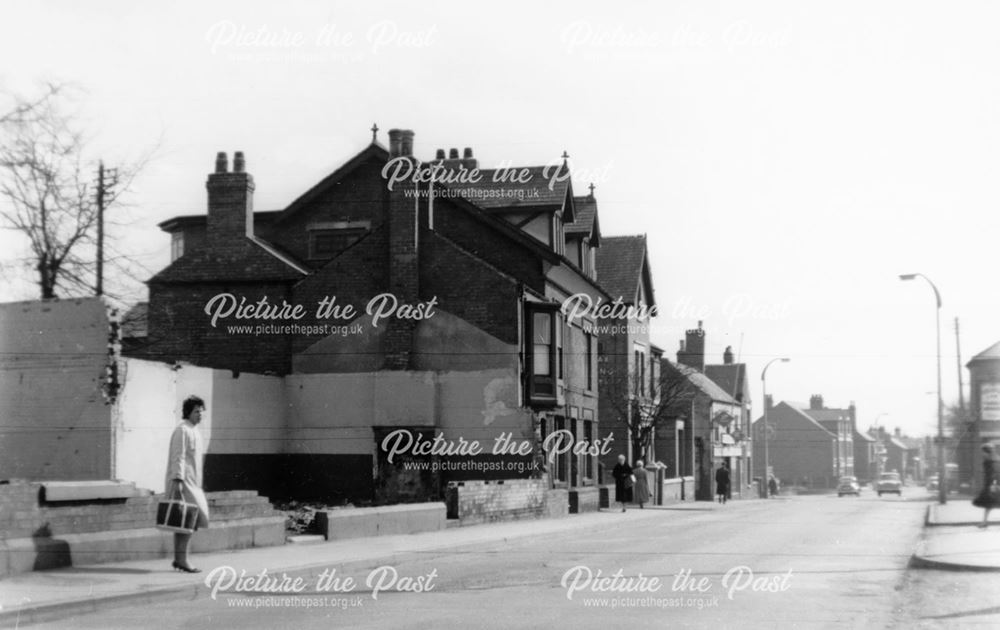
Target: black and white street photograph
{"points": [[584, 315]]}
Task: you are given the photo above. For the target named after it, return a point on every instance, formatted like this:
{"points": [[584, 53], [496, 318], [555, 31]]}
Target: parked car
{"points": [[889, 483], [848, 485]]}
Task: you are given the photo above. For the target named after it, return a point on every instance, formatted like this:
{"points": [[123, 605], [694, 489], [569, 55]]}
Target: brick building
{"points": [[731, 377], [629, 363], [707, 417], [810, 445], [715, 419], [473, 342]]}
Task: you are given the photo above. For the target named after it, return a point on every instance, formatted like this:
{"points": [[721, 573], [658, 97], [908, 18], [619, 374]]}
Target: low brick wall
{"points": [[586, 499], [473, 502], [673, 490], [25, 513], [37, 534], [409, 518]]}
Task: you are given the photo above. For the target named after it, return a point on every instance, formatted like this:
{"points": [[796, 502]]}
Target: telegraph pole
{"points": [[100, 228], [105, 181]]}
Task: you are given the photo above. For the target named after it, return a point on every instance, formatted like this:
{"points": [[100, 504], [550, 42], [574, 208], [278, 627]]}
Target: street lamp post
{"points": [[767, 454], [942, 468]]}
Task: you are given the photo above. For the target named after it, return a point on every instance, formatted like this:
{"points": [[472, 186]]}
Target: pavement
{"points": [[42, 596], [954, 542]]}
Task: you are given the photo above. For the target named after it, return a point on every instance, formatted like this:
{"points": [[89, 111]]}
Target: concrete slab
{"points": [[53, 491]]}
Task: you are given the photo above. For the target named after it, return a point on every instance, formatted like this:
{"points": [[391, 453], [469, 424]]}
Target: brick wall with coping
{"points": [[473, 502]]}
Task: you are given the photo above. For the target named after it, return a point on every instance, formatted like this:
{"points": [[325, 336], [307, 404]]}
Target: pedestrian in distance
{"points": [[722, 482], [640, 489], [623, 481], [772, 486], [184, 474], [989, 497]]}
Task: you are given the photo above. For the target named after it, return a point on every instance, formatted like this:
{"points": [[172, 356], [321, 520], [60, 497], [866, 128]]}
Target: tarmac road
{"points": [[816, 561]]}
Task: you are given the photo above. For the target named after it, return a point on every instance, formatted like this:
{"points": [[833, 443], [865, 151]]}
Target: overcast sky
{"points": [[787, 160]]}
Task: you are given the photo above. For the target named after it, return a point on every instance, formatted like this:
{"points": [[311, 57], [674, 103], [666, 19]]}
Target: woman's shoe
{"points": [[185, 568]]}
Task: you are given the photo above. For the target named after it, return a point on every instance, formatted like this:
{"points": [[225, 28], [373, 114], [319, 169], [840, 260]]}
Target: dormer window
{"points": [[326, 240], [176, 245]]}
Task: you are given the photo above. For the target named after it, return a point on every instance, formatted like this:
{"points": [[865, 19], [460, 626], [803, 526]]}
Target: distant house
{"points": [[866, 451], [900, 453], [731, 377], [808, 445], [629, 362], [704, 433]]}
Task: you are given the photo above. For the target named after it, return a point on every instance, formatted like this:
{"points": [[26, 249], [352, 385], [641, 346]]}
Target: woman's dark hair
{"points": [[190, 403]]}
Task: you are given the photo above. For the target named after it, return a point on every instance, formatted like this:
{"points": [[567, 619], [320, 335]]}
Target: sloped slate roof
{"points": [[538, 188], [586, 212], [619, 265], [990, 354], [702, 382], [827, 415], [797, 409], [257, 262], [135, 321]]}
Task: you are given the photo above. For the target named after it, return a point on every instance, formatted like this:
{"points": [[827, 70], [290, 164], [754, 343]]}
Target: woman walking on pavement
{"points": [[722, 482], [623, 482], [184, 474], [640, 489], [989, 496]]}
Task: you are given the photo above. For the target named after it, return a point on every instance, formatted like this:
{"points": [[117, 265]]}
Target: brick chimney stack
{"points": [[230, 202], [403, 233], [816, 401], [692, 352]]}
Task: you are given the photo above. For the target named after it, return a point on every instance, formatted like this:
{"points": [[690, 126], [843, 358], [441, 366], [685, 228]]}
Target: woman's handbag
{"points": [[177, 514]]}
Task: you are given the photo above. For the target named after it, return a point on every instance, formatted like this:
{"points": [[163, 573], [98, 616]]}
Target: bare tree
{"points": [[642, 404], [48, 193]]}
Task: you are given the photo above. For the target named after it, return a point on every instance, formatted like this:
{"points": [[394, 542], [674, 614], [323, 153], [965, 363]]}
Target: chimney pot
{"points": [[816, 401], [453, 154], [395, 142], [440, 154], [406, 143], [727, 356], [468, 153], [239, 164], [221, 162]]}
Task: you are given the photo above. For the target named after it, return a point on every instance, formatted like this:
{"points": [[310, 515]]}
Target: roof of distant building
{"points": [[990, 354], [730, 376], [533, 187], [586, 219], [620, 262], [702, 382], [135, 321]]}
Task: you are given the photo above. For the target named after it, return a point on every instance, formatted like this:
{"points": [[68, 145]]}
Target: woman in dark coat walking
{"points": [[722, 482], [623, 482], [988, 497]]}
